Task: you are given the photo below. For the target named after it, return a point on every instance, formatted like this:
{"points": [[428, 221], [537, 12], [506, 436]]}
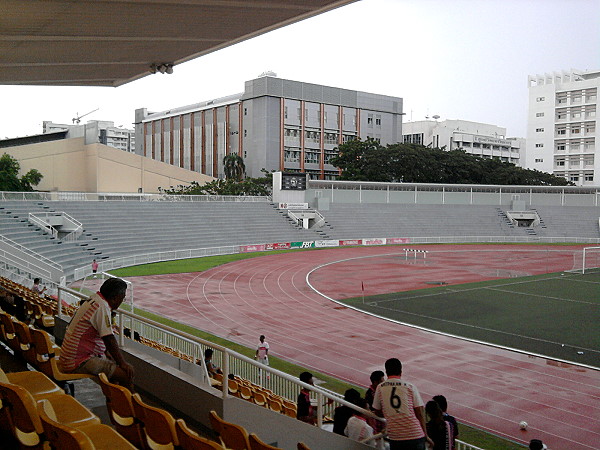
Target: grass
{"points": [[534, 314]]}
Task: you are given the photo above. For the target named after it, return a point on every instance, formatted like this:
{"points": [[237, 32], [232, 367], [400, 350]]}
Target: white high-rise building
{"points": [[562, 125], [102, 131]]}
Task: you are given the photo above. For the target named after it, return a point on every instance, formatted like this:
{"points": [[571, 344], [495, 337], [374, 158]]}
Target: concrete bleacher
{"points": [[115, 229], [568, 221], [415, 220]]}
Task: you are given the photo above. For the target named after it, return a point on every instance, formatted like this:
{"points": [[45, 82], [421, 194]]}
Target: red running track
{"points": [[488, 387]]}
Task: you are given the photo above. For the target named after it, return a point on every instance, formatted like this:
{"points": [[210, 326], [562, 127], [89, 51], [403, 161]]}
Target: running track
{"points": [[490, 388]]}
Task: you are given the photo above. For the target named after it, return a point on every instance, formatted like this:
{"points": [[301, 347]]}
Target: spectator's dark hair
{"points": [[393, 366], [208, 353], [376, 376], [305, 377], [433, 410], [231, 376], [36, 280], [112, 288], [441, 401], [360, 402], [262, 337], [351, 395]]}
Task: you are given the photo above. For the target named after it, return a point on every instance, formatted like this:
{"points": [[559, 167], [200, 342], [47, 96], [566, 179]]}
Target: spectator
{"points": [[210, 367], [89, 337], [536, 444], [400, 403], [439, 430], [377, 377], [306, 411], [94, 267], [36, 287], [341, 414], [357, 428], [443, 404]]}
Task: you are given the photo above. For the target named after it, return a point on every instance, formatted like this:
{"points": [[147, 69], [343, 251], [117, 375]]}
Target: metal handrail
{"points": [[23, 249], [108, 196]]}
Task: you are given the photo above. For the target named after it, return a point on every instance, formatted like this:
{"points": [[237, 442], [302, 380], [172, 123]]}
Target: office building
{"points": [[104, 131], [480, 139], [562, 125], [274, 124]]}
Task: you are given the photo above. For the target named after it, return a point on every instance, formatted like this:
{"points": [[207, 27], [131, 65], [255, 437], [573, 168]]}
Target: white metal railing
{"points": [[461, 445], [107, 196], [148, 258], [34, 219], [29, 252]]}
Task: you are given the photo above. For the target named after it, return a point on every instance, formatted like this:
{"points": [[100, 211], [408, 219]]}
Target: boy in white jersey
{"points": [[401, 405], [262, 351]]}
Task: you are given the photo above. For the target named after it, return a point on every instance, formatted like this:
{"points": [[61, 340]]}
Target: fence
{"points": [[85, 196]]}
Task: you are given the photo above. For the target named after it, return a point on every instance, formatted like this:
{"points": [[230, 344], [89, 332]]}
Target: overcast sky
{"points": [[459, 59]]}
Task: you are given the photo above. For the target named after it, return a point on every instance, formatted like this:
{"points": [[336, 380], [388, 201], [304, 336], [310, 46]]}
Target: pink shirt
{"points": [[94, 266], [83, 338]]}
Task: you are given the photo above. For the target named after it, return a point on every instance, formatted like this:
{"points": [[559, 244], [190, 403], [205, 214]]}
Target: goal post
{"points": [[590, 259]]}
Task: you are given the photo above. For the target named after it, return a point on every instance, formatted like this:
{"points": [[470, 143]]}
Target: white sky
{"points": [[460, 59]]}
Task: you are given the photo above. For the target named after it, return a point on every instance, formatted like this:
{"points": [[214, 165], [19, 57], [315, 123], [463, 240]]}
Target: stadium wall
{"points": [[71, 165]]}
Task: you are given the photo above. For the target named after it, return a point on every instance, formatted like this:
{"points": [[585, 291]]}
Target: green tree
{"points": [[370, 161], [9, 176], [248, 186], [234, 167]]}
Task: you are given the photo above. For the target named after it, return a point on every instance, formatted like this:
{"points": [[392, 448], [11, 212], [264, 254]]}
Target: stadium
{"points": [[477, 307], [488, 294]]}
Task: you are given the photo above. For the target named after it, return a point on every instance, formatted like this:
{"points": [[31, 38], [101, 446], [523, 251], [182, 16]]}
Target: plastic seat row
{"points": [[35, 347], [260, 396], [36, 413]]}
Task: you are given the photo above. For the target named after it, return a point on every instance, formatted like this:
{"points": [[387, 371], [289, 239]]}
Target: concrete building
{"points": [[480, 139], [106, 132], [274, 124], [78, 166], [562, 125]]}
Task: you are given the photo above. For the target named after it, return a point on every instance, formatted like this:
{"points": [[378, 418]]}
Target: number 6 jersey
{"points": [[397, 399]]}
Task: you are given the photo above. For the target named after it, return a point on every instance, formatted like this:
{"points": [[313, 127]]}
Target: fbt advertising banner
{"points": [[252, 248], [308, 244], [327, 243], [278, 246], [351, 242], [374, 241], [398, 240]]}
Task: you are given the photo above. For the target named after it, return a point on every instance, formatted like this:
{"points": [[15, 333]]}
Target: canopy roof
{"points": [[112, 42]]}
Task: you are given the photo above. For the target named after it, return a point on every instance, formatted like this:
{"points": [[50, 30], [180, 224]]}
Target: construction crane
{"points": [[77, 118]]}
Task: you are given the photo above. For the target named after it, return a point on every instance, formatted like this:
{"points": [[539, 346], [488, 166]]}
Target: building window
{"points": [[312, 157], [560, 115], [378, 121], [299, 113], [590, 128], [539, 160], [306, 114], [370, 120], [589, 178], [285, 112], [539, 130], [245, 133], [325, 116], [561, 131], [588, 161], [245, 111], [540, 114], [560, 162], [560, 147], [574, 178], [539, 145], [575, 130], [540, 99], [291, 154]]}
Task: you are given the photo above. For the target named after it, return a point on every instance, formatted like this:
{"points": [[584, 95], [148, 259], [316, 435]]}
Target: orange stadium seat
{"points": [[257, 444], [233, 437], [190, 440], [158, 425]]}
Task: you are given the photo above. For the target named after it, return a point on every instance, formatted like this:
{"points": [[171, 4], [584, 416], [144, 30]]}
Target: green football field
{"points": [[557, 315]]}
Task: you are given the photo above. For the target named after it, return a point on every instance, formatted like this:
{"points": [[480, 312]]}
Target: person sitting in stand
{"points": [[210, 367], [306, 412], [357, 427], [443, 404], [439, 430], [36, 287], [341, 414]]}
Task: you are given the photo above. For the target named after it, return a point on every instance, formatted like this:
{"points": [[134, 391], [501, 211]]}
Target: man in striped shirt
{"points": [[89, 337], [401, 405]]}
